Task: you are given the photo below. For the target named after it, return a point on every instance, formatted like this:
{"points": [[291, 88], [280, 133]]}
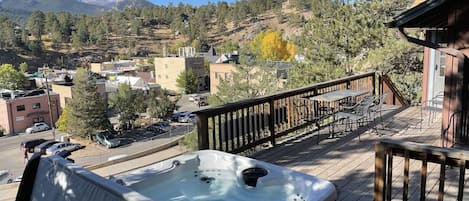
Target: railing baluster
{"points": [[243, 126], [423, 176], [232, 135], [225, 132], [272, 122], [406, 177], [214, 139], [389, 176], [238, 144], [441, 189], [220, 132], [462, 174]]}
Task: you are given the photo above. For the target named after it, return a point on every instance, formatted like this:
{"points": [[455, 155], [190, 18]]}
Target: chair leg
{"points": [[319, 130]]}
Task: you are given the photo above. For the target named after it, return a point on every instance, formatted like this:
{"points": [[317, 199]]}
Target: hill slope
{"points": [[72, 6]]}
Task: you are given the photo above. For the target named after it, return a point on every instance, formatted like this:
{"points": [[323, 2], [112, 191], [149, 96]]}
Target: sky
{"points": [[193, 2]]}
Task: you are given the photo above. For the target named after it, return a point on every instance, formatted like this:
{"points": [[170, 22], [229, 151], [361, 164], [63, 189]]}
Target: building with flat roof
{"points": [[19, 113], [168, 69]]}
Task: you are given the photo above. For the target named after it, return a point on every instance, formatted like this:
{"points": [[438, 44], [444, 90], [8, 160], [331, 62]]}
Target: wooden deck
{"points": [[349, 163]]}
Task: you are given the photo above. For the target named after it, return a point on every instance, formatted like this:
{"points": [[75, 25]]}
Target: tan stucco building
{"points": [[168, 69], [218, 72], [65, 92]]}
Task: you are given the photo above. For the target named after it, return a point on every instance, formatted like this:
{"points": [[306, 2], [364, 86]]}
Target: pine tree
{"points": [[87, 112], [36, 24]]}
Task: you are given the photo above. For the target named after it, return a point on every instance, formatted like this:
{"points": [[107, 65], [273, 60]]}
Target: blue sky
{"points": [[193, 2]]}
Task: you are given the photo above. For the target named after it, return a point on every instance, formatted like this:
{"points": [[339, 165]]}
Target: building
{"points": [[446, 60], [219, 71], [65, 91], [168, 69], [120, 66], [19, 113]]}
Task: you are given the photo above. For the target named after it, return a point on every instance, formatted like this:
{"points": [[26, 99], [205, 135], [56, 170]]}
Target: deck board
{"points": [[349, 163]]}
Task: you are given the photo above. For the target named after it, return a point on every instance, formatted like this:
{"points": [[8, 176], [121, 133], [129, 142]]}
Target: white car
{"points": [[193, 97], [187, 118], [37, 127], [58, 147], [5, 177]]}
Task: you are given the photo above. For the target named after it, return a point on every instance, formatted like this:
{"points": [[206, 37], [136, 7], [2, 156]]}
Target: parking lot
{"points": [[12, 156]]}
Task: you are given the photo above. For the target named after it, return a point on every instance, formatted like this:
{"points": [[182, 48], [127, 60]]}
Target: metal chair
{"points": [[356, 114], [433, 106], [311, 117]]}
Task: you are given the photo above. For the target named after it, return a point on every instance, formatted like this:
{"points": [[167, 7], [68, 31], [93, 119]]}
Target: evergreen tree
{"points": [[249, 80], [87, 112], [7, 33], [126, 103], [36, 24], [159, 105], [188, 81]]}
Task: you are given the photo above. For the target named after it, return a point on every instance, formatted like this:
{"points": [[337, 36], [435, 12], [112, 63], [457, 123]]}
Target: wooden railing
{"points": [[236, 127], [387, 86], [386, 149]]}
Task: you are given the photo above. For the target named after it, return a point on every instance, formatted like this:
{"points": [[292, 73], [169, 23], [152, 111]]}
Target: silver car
{"points": [[37, 127], [58, 147]]}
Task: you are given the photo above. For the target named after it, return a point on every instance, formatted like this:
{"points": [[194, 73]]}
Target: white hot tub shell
{"points": [[215, 175]]}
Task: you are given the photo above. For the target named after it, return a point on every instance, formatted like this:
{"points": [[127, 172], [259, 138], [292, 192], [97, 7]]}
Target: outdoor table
{"points": [[334, 96]]}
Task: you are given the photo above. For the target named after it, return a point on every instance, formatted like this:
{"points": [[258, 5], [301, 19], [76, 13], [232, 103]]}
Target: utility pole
{"points": [[50, 107]]}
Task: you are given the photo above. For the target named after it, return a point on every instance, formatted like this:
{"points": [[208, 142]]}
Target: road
{"points": [[12, 157]]}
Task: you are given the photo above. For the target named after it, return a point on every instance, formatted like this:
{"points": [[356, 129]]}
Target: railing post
{"points": [[202, 131], [272, 122], [380, 172]]}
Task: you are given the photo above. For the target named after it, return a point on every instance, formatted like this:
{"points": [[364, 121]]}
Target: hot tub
{"points": [[214, 175]]}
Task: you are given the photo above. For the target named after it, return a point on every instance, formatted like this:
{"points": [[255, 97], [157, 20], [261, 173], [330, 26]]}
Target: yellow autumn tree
{"points": [[269, 45]]}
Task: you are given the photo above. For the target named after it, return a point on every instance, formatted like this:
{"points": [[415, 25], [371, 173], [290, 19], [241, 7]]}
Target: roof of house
{"points": [[427, 14]]}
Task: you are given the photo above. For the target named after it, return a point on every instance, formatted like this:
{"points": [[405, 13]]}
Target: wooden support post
{"points": [[380, 172], [202, 131]]}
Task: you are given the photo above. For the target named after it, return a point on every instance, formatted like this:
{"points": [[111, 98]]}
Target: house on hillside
{"points": [[446, 63]]}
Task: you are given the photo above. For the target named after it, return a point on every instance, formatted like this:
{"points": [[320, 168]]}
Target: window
{"points": [[442, 63], [20, 108], [165, 65], [216, 75], [37, 105], [166, 77]]}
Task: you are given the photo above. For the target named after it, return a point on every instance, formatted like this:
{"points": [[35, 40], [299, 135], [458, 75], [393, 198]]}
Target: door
{"points": [[439, 76]]}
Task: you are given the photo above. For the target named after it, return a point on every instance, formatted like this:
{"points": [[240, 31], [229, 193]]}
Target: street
{"points": [[12, 157]]}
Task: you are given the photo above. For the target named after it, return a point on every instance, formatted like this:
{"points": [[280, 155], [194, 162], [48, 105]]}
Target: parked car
{"points": [[30, 144], [187, 117], [193, 97], [37, 127], [5, 177], [107, 139], [154, 129], [41, 148], [56, 148], [163, 125], [175, 116]]}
